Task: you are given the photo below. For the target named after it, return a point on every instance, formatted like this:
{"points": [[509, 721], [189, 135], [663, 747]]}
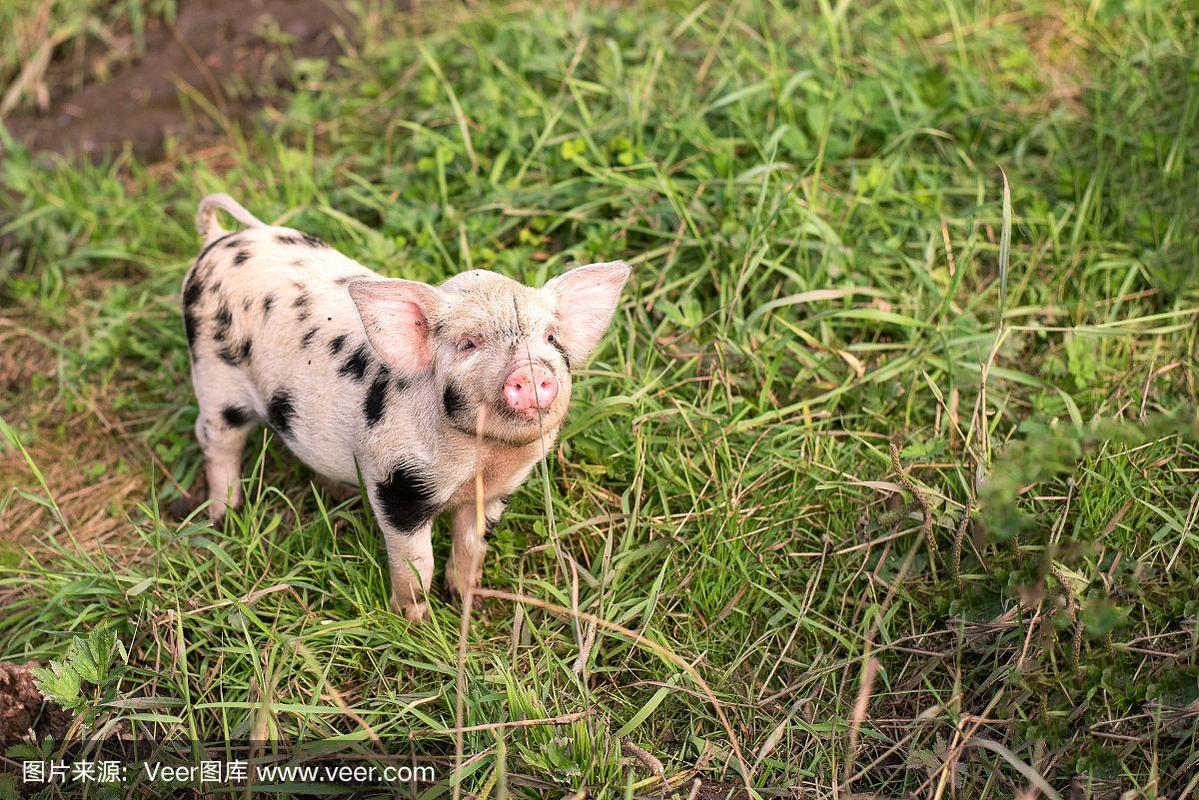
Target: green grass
{"points": [[813, 201]]}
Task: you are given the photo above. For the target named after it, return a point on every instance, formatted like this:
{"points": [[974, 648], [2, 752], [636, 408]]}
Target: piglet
{"points": [[408, 387]]}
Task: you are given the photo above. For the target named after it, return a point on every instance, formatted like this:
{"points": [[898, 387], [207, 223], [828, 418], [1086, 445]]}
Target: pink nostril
{"points": [[515, 394], [547, 390]]}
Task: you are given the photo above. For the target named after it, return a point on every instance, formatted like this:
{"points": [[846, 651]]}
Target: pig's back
{"points": [[269, 316]]}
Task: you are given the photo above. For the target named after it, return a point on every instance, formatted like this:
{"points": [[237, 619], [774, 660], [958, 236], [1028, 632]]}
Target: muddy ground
{"points": [[228, 51], [23, 709]]}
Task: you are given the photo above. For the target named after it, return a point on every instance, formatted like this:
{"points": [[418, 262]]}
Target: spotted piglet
{"points": [[412, 387]]}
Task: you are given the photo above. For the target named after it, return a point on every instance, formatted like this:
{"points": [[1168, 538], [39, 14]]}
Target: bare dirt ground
{"points": [[22, 707], [232, 53]]}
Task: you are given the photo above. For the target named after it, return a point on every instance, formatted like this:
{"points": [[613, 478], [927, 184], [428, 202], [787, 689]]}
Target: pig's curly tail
{"points": [[206, 221]]}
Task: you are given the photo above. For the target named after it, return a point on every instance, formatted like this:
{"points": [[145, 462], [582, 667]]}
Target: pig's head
{"points": [[493, 344]]}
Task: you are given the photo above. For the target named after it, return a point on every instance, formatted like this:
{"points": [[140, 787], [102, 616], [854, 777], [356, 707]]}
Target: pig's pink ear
{"points": [[396, 316], [586, 299]]}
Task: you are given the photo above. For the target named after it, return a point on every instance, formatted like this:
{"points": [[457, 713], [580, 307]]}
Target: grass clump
{"points": [[813, 202]]}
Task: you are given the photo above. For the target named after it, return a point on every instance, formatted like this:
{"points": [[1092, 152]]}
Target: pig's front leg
{"points": [[404, 505], [410, 560], [466, 558]]}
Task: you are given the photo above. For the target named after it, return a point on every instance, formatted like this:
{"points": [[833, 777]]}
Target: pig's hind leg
{"points": [[225, 422]]}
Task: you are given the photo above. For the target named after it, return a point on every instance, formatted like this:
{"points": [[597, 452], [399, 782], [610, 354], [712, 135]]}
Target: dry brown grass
{"points": [[85, 457], [1059, 51]]}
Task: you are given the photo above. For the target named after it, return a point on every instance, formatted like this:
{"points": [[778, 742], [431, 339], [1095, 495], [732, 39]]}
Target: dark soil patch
{"points": [[23, 708], [229, 51]]}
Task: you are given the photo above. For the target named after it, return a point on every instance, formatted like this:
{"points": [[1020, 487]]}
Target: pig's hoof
{"points": [[182, 507], [459, 585], [461, 575], [414, 612]]}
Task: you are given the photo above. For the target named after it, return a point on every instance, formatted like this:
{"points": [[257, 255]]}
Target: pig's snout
{"points": [[529, 389]]}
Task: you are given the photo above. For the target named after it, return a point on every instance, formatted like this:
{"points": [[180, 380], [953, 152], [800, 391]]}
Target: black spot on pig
{"points": [[268, 302], [311, 240], [215, 288], [298, 263], [223, 320], [233, 243], [355, 366], [306, 339], [236, 355], [301, 302], [343, 280], [236, 416], [287, 238], [242, 257], [402, 383], [193, 290], [406, 498], [375, 402], [281, 411], [336, 343], [191, 326], [246, 304], [452, 400]]}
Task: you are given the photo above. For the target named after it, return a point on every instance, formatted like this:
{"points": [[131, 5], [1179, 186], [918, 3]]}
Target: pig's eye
{"points": [[549, 337], [468, 345]]}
